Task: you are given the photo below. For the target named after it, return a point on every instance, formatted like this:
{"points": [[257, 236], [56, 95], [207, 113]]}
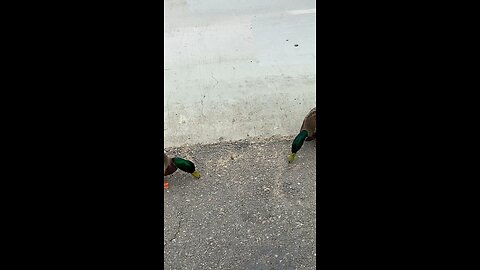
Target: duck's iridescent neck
{"points": [[298, 142], [184, 165]]}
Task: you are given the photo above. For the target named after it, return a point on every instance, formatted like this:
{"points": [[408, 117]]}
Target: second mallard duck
{"points": [[170, 165], [308, 132]]}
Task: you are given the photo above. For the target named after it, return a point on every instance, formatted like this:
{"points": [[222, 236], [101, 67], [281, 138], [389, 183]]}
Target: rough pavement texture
{"points": [[250, 210]]}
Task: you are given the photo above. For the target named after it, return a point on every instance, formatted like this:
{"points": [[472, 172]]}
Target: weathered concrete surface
{"points": [[237, 69], [250, 210]]}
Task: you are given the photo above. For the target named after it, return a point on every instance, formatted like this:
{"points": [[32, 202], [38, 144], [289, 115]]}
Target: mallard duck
{"points": [[170, 165], [308, 132]]}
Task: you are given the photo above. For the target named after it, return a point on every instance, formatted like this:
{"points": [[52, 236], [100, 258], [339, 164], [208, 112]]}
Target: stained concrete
{"points": [[237, 69], [250, 210]]}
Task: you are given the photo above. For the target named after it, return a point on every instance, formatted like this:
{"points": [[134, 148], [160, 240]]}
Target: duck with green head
{"points": [[308, 132], [170, 165]]}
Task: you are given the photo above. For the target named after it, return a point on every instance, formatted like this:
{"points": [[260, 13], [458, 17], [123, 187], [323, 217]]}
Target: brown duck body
{"points": [[310, 124], [168, 166]]}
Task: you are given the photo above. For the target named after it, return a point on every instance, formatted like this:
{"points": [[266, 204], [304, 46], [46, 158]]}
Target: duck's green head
{"points": [[186, 166], [297, 144]]}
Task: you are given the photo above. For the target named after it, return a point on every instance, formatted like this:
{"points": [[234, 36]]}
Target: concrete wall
{"points": [[232, 69]]}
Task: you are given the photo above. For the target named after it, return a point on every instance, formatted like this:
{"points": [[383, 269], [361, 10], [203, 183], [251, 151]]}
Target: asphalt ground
{"points": [[251, 209]]}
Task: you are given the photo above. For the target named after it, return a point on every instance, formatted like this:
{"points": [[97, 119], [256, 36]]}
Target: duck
{"points": [[170, 165], [308, 132]]}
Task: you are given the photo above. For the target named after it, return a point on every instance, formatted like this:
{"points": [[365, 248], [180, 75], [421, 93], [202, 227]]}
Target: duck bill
{"points": [[291, 157], [196, 174]]}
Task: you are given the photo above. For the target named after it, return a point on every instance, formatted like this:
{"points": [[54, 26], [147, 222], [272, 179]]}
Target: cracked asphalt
{"points": [[251, 209]]}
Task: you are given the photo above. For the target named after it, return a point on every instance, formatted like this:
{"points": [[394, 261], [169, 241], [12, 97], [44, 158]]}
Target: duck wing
{"points": [[168, 166], [310, 124]]}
